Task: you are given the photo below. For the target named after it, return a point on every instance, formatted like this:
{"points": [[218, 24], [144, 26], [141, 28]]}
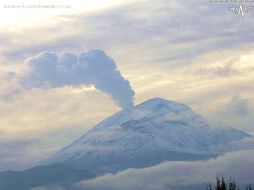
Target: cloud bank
{"points": [[172, 174], [49, 70]]}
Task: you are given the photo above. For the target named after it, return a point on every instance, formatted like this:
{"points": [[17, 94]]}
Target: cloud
{"points": [[18, 153], [55, 117], [48, 70], [233, 67], [48, 188], [10, 85], [170, 174], [226, 70], [163, 30], [238, 106]]}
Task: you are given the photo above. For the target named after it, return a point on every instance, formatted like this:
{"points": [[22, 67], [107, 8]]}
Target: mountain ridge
{"points": [[154, 131], [44, 175]]}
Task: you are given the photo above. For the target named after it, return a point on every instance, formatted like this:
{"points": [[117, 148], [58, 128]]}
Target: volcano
{"points": [[152, 132]]}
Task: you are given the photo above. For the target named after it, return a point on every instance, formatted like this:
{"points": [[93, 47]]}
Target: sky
{"points": [[195, 52]]}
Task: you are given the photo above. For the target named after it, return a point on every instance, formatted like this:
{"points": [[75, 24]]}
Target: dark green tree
{"points": [[223, 185], [218, 183], [232, 185], [209, 187], [249, 187]]}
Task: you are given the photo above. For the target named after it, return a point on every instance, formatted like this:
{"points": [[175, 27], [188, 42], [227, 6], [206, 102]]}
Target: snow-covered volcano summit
{"points": [[149, 133]]}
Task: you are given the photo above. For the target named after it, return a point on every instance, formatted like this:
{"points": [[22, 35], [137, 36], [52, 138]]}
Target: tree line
{"points": [[221, 184]]}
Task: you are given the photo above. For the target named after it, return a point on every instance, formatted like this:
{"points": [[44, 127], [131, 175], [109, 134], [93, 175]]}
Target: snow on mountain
{"points": [[149, 133]]}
